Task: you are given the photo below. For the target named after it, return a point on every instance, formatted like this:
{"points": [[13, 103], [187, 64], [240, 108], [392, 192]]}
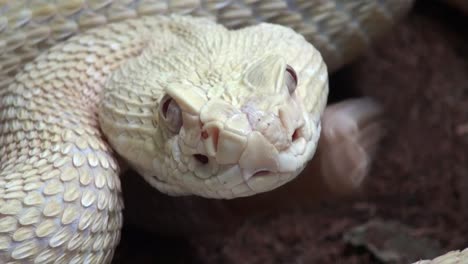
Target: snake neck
{"points": [[339, 29]]}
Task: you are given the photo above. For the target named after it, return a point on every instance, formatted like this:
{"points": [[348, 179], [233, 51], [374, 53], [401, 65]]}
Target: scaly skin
{"points": [[60, 184], [236, 111], [339, 29], [60, 187], [452, 257]]}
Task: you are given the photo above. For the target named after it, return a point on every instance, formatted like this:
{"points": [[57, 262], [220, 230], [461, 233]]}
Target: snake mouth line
{"points": [[262, 173]]}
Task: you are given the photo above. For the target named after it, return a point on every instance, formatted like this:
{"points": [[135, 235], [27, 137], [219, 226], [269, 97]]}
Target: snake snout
{"points": [[281, 128], [260, 156]]}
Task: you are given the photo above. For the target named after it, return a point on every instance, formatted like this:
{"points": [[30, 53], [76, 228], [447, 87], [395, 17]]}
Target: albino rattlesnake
{"points": [[60, 191]]}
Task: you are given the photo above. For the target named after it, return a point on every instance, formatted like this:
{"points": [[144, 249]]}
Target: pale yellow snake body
{"points": [[193, 107]]}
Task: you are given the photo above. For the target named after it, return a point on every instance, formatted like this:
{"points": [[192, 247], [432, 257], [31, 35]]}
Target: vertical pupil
{"points": [[165, 107], [171, 114], [292, 73]]}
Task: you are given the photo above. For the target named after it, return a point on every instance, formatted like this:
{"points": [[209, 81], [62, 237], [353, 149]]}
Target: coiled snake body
{"points": [[193, 107]]}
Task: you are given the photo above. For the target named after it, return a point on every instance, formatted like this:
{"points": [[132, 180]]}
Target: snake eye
{"points": [[171, 114], [290, 79]]}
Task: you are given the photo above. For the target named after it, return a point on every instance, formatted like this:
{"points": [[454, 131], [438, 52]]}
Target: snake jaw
{"points": [[251, 158], [264, 168], [240, 152]]}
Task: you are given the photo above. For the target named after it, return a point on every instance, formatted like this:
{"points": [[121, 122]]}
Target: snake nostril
{"points": [[204, 135], [201, 158], [295, 135]]}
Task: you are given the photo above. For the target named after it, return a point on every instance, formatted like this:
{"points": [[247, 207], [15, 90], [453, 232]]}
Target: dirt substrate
{"points": [[420, 74]]}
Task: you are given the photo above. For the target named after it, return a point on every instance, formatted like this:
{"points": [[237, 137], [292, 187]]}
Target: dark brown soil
{"points": [[420, 74]]}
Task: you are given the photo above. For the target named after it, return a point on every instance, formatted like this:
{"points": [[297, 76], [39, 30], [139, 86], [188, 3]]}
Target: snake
{"points": [[214, 98]]}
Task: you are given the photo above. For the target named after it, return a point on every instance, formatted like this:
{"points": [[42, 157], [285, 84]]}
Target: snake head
{"points": [[234, 113]]}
